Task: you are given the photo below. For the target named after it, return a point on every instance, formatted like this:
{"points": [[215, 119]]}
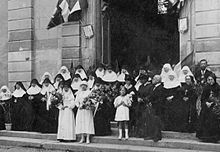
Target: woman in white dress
{"points": [[66, 122], [84, 117], [122, 104]]}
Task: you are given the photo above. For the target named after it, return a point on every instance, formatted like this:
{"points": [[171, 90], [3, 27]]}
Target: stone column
{"points": [[20, 42]]}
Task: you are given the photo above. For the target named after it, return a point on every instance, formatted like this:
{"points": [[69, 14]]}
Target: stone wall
{"points": [[20, 40], [3, 42], [203, 35], [33, 50]]}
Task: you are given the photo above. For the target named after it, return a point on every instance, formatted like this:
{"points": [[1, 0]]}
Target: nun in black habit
{"points": [[22, 110]]}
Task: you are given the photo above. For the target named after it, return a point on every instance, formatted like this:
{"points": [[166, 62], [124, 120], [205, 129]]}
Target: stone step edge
{"points": [[55, 145], [165, 143], [165, 134]]}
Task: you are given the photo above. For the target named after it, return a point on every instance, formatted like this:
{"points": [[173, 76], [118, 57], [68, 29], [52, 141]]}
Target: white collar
{"points": [[48, 89], [18, 93], [34, 90]]}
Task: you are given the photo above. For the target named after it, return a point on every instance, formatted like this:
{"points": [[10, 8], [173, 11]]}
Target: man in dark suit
{"points": [[157, 98], [203, 73]]}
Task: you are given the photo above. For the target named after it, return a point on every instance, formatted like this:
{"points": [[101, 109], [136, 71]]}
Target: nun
{"points": [[91, 81], [100, 71], [173, 106], [46, 112], [81, 71], [45, 76], [65, 73], [57, 80], [22, 111], [209, 128], [165, 71], [110, 76], [188, 98], [77, 80], [5, 104], [34, 97], [185, 71], [66, 123], [84, 117]]}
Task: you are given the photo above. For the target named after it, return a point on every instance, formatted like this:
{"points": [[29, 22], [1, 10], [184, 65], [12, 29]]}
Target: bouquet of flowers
{"points": [[88, 104], [97, 95], [56, 99]]}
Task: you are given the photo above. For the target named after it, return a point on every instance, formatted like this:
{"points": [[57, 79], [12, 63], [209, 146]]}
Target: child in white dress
{"points": [[122, 104], [66, 122], [84, 117]]}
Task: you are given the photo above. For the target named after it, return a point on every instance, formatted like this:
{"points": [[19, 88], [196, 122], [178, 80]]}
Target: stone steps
{"points": [[165, 143], [44, 145]]}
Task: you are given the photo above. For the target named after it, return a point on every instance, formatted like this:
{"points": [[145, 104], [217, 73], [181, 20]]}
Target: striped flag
{"points": [[67, 11]]}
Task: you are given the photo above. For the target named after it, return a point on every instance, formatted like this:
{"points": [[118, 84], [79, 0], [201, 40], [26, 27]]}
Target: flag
{"points": [[187, 61], [67, 11]]}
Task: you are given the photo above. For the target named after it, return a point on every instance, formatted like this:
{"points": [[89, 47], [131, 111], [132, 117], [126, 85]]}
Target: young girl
{"points": [[84, 117], [66, 125], [122, 104]]}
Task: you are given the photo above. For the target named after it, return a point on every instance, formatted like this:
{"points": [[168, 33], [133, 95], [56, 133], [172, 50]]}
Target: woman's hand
{"points": [[140, 100], [170, 98], [43, 99], [64, 107], [209, 104], [185, 98], [30, 97]]}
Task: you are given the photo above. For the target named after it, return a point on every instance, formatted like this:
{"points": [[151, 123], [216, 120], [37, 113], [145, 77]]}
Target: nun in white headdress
{"points": [[65, 73], [59, 78], [165, 71], [5, 104], [122, 73], [110, 76], [183, 73], [46, 75], [92, 79], [77, 80], [22, 113], [81, 71], [100, 71], [46, 91], [173, 110]]}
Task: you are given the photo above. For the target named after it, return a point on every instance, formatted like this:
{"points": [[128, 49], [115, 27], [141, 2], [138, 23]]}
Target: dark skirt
{"points": [[148, 124], [22, 115], [102, 121], [175, 116], [45, 121], [2, 119], [209, 126]]}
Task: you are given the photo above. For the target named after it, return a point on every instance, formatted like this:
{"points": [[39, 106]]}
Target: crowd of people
{"points": [[142, 103]]}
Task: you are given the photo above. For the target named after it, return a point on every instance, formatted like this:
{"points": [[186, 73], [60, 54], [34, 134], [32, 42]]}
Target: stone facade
{"points": [[203, 36], [33, 50]]}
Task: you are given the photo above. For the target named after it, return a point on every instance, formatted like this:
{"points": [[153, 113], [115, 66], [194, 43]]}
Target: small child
{"points": [[122, 104]]}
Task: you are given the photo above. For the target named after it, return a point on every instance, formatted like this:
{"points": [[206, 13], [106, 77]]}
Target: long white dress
{"points": [[66, 124], [122, 112], [84, 118]]}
